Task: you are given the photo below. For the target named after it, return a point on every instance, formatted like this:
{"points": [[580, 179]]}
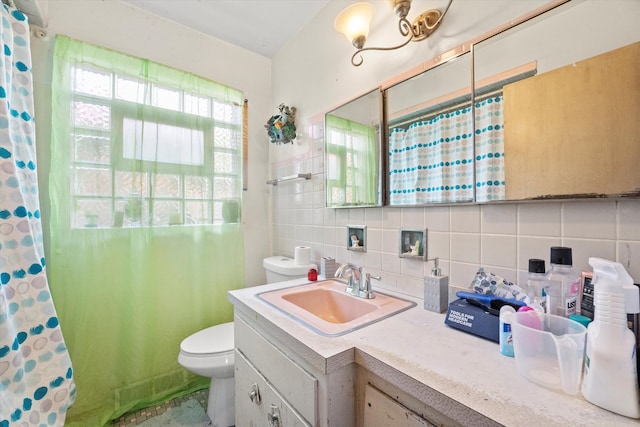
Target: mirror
{"points": [[430, 122], [353, 148], [570, 131]]}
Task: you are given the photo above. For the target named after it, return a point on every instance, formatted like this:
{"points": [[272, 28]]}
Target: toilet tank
{"points": [[282, 268]]}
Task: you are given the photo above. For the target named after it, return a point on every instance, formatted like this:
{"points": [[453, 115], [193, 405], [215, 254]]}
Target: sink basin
{"points": [[328, 310]]}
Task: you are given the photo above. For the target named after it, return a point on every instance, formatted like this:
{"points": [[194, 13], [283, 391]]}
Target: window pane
{"points": [[196, 105], [91, 115], [131, 183], [165, 185], [166, 98], [91, 148], [224, 162], [156, 142], [166, 212], [130, 90], [224, 187], [92, 213], [197, 212], [92, 82], [227, 138], [228, 113], [92, 182], [197, 187]]}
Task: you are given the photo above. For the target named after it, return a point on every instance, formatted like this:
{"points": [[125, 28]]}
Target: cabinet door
{"points": [[258, 403], [382, 411]]}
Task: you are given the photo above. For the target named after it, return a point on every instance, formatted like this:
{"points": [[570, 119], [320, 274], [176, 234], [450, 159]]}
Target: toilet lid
{"points": [[216, 339]]}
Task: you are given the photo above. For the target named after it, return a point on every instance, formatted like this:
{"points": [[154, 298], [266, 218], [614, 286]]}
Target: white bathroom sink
{"points": [[327, 309]]}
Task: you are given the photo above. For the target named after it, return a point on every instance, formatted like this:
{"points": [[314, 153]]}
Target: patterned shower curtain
{"points": [[36, 378], [433, 160]]}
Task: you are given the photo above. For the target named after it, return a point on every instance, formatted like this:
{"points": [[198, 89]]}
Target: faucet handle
{"points": [[367, 292]]}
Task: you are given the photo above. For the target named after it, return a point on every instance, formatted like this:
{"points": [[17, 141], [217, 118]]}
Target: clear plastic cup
{"points": [[549, 349]]}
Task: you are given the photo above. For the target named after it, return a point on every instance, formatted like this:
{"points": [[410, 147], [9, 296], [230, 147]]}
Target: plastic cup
{"points": [[549, 350]]}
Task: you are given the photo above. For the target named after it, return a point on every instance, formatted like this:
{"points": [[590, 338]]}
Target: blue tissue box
{"points": [[473, 319]]}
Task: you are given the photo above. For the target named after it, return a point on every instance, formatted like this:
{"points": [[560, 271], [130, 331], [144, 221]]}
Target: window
{"points": [[150, 152]]}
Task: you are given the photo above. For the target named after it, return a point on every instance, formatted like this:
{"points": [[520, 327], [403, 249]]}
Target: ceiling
{"points": [[261, 26]]}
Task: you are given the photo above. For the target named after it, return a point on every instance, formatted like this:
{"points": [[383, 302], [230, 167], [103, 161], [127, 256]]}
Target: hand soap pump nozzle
{"points": [[435, 271], [610, 379]]}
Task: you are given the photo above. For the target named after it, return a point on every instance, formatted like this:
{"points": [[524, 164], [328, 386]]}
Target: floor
{"points": [[137, 417]]}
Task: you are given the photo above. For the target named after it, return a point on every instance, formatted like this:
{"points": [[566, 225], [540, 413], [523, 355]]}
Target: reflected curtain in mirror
{"points": [[352, 167], [143, 157], [489, 151]]}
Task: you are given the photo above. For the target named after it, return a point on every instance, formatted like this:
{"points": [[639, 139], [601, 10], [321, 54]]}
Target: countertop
{"points": [[417, 352]]}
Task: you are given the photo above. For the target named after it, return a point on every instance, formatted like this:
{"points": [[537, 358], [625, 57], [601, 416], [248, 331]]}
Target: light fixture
{"points": [[354, 23]]}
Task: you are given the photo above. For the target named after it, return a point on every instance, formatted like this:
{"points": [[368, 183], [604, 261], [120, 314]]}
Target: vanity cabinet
{"points": [[271, 388], [260, 403]]}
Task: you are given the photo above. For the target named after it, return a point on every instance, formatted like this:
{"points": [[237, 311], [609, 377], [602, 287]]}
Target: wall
{"points": [[313, 73], [122, 27]]}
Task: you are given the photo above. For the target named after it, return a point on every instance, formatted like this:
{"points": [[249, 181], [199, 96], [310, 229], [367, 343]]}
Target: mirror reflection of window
{"points": [[352, 163]]}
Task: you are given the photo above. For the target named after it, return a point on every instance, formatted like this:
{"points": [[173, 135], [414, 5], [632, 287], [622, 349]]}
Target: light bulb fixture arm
{"points": [[421, 28], [364, 49]]}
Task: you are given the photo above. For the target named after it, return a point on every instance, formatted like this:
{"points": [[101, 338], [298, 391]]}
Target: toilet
{"points": [[209, 352]]}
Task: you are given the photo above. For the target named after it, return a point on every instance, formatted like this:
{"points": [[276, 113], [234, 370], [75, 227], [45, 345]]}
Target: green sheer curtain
{"points": [[352, 154], [143, 158]]}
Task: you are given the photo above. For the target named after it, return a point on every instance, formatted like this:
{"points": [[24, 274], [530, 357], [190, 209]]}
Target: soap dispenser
{"points": [[436, 290], [610, 378]]}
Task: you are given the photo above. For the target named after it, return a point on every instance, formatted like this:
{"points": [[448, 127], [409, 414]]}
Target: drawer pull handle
{"points": [[254, 394], [274, 416]]}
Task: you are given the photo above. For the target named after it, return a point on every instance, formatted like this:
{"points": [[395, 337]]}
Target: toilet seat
{"points": [[210, 341]]}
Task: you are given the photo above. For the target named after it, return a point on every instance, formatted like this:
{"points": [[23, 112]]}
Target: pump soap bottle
{"points": [[610, 377], [436, 290]]}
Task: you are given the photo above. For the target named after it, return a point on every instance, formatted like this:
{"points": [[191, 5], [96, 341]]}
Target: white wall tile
{"points": [[499, 251], [437, 218], [582, 249], [373, 217], [596, 220], [465, 248], [412, 217], [628, 256], [356, 216], [373, 259], [411, 267], [374, 239], [438, 245], [392, 218], [462, 274], [629, 219], [342, 217], [390, 241], [391, 264], [465, 219], [499, 219], [535, 247], [539, 219]]}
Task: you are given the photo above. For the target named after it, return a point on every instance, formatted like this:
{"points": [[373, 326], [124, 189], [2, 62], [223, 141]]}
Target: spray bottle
{"points": [[610, 378]]}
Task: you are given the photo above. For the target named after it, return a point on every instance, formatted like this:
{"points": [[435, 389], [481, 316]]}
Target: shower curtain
{"points": [[36, 378], [434, 161], [143, 158]]}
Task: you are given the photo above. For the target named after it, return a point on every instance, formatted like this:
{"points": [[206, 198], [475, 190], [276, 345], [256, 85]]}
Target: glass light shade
{"points": [[354, 21]]}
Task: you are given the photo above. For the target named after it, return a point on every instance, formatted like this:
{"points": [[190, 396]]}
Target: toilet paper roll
{"points": [[302, 255]]}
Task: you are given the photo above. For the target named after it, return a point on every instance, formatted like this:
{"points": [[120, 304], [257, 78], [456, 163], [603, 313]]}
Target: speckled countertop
{"points": [[417, 352]]}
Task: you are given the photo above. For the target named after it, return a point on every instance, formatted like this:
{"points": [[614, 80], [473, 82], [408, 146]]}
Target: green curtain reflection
{"points": [[140, 255], [352, 168]]}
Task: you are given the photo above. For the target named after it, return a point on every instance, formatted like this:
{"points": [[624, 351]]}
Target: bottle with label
{"points": [[610, 377], [536, 283], [563, 284], [506, 336]]}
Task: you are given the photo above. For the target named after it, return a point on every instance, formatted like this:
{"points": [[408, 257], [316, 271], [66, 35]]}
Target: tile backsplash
{"points": [[499, 237]]}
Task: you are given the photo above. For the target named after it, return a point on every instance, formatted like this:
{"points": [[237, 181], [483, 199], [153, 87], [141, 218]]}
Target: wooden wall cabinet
{"points": [[574, 132]]}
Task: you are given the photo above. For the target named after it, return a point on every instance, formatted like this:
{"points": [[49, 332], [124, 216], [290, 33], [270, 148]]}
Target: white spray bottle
{"points": [[610, 378]]}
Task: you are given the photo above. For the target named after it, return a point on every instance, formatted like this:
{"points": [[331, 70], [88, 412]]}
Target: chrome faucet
{"points": [[355, 275], [354, 284]]}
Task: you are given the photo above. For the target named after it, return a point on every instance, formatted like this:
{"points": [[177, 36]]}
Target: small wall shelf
{"points": [[276, 181]]}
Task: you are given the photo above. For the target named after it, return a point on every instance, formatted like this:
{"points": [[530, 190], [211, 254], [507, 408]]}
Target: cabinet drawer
{"points": [[257, 401], [294, 383]]}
